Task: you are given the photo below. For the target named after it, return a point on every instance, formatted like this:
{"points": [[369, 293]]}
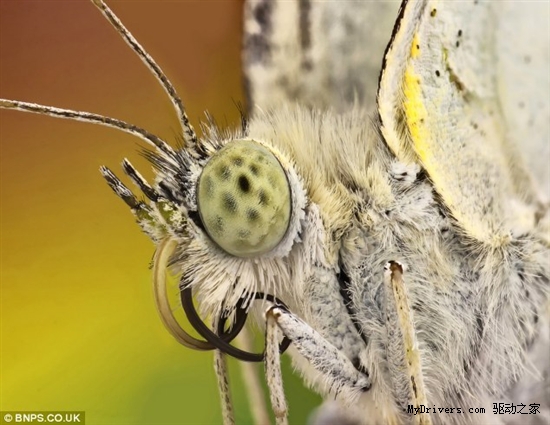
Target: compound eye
{"points": [[244, 200]]}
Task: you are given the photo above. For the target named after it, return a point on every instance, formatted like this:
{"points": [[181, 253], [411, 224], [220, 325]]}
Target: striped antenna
{"points": [[189, 135], [90, 117]]}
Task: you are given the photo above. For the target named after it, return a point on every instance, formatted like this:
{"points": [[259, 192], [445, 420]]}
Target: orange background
{"points": [[79, 330]]}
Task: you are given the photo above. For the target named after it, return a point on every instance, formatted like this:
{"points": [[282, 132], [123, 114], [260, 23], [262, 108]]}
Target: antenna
{"points": [[90, 117], [189, 135]]}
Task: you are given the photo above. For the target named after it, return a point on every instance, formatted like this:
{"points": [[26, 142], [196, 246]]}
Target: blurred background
{"points": [[79, 329]]}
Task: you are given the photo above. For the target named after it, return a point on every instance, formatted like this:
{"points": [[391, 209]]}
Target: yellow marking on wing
{"points": [[415, 112], [427, 136]]}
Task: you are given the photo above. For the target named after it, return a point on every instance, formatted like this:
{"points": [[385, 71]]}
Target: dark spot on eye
{"points": [[229, 203], [457, 43], [254, 170], [237, 160], [422, 120], [209, 186], [224, 172], [433, 12], [437, 73], [475, 126], [244, 233], [460, 33], [244, 184], [218, 225], [264, 199], [252, 215]]}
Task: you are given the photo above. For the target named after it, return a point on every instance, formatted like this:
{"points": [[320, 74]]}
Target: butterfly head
{"points": [[236, 206]]}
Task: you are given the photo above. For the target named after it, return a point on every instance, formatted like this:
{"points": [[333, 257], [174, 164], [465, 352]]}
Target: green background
{"points": [[79, 330]]}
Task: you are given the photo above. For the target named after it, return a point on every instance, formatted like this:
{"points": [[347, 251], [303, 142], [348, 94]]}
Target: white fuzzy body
{"points": [[453, 282], [476, 311]]}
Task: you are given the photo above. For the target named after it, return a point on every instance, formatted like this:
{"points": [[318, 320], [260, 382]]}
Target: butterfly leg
{"points": [[340, 375], [220, 368], [404, 361], [252, 382], [273, 373]]}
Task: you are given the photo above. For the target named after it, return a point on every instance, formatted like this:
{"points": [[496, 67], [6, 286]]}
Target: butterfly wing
{"points": [[321, 54], [523, 82], [465, 92], [442, 102]]}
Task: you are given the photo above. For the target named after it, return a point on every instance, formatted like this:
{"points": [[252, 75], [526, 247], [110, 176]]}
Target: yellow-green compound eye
{"points": [[243, 198]]}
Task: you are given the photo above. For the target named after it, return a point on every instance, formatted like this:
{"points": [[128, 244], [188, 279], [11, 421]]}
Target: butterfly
{"points": [[390, 211]]}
